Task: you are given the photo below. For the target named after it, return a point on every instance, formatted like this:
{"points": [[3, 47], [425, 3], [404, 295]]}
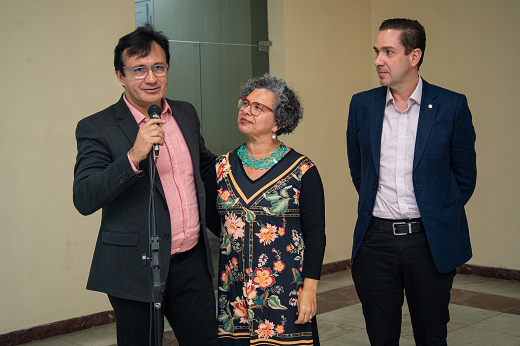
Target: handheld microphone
{"points": [[154, 112]]}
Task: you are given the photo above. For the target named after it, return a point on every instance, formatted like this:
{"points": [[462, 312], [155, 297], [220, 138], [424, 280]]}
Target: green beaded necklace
{"points": [[266, 163]]}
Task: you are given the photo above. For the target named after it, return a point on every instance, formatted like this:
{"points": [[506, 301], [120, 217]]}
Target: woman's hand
{"points": [[307, 301]]}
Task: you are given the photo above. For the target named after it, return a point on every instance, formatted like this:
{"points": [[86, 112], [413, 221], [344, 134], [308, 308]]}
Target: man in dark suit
{"points": [[411, 152], [112, 174]]}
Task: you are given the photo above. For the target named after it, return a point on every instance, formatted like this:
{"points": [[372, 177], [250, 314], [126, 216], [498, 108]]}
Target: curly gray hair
{"points": [[287, 109]]}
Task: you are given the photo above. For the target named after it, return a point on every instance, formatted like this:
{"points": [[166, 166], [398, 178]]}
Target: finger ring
{"points": [[311, 316]]}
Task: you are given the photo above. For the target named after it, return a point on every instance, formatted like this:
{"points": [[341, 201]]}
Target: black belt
{"points": [[397, 227], [182, 255]]}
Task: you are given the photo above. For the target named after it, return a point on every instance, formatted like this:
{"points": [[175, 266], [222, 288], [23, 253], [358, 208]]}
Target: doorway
{"points": [[214, 49]]}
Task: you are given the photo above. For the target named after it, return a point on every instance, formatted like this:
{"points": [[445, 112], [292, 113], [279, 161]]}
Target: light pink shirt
{"points": [[175, 169], [395, 197]]}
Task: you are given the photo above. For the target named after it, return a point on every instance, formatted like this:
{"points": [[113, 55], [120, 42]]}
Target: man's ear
{"points": [[415, 57], [120, 77]]}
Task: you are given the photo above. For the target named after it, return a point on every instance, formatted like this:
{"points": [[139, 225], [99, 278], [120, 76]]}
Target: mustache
{"points": [[380, 69]]}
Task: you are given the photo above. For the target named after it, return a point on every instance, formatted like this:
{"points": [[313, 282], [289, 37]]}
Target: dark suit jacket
{"points": [[104, 178], [444, 167]]}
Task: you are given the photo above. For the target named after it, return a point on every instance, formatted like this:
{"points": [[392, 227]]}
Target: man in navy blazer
{"points": [[112, 173], [411, 153]]}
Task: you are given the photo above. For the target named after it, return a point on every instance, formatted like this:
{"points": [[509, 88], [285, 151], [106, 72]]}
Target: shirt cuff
{"points": [[137, 171]]}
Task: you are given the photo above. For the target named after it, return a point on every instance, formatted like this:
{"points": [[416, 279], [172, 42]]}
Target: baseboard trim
{"points": [[467, 269], [489, 272], [329, 268], [101, 318], [57, 328]]}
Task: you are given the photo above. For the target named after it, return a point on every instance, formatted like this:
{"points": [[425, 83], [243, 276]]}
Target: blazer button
{"points": [[165, 207], [368, 212], [374, 186], [166, 236]]}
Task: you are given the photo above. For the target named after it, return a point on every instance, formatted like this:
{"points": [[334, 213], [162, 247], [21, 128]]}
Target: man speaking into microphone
{"points": [[112, 173]]}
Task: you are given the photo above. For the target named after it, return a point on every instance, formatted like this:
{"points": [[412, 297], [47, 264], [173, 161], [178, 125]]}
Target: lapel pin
{"points": [[430, 106]]}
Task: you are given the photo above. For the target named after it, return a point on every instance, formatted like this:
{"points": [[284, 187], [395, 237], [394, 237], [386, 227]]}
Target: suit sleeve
{"points": [[213, 222], [98, 179], [353, 151], [207, 159], [463, 156]]}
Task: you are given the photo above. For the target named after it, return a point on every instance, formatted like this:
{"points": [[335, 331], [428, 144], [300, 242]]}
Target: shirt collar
{"points": [[416, 95], [140, 117]]}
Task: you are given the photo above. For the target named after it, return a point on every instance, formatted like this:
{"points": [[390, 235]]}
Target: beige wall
{"points": [[57, 54], [57, 67], [472, 48], [322, 54]]}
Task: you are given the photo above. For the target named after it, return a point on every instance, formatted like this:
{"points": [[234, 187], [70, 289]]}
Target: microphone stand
{"points": [[157, 288]]}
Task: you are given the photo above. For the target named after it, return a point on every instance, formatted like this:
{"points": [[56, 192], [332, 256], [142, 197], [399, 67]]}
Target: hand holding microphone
{"points": [[149, 137]]}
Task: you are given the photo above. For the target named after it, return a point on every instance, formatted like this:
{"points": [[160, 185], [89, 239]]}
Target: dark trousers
{"points": [[188, 305], [384, 267]]}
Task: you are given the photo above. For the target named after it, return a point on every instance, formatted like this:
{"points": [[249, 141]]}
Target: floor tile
{"points": [[349, 316], [506, 288], [502, 323], [336, 299], [406, 323], [355, 338], [342, 278], [329, 330], [465, 315], [481, 337], [454, 326], [99, 336], [326, 286], [55, 341], [406, 341], [486, 301], [332, 281], [477, 316]]}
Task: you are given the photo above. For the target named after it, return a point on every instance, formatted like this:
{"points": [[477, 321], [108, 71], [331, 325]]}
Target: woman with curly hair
{"points": [[265, 201]]}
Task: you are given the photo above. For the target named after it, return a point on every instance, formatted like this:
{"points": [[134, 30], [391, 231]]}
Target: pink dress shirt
{"points": [[175, 170], [395, 197]]}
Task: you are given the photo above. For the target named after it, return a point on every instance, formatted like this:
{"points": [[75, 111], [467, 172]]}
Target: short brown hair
{"points": [[412, 35]]}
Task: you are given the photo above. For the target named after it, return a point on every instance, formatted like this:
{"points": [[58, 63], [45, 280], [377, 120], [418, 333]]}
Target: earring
{"points": [[274, 135]]}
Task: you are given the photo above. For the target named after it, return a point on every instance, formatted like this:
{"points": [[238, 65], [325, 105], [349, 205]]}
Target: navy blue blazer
{"points": [[104, 179], [444, 167]]}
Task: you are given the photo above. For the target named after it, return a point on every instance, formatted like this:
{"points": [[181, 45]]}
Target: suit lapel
{"points": [[126, 121], [427, 113], [377, 114], [128, 125]]}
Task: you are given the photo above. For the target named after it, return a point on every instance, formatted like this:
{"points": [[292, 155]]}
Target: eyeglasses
{"points": [[256, 107], [142, 71]]}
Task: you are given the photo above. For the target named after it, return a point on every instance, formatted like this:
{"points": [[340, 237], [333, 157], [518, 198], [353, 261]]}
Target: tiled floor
{"points": [[484, 312]]}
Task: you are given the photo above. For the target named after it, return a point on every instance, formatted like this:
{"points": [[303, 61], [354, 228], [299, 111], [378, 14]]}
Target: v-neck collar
{"points": [[261, 181]]}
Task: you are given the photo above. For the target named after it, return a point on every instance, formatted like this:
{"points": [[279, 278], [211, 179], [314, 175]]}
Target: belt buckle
{"points": [[402, 223]]}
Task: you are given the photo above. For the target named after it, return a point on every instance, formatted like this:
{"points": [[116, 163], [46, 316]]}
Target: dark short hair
{"points": [[412, 35], [139, 43], [287, 108]]}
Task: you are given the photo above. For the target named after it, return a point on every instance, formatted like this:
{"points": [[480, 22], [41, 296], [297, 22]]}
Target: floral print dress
{"points": [[261, 253]]}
